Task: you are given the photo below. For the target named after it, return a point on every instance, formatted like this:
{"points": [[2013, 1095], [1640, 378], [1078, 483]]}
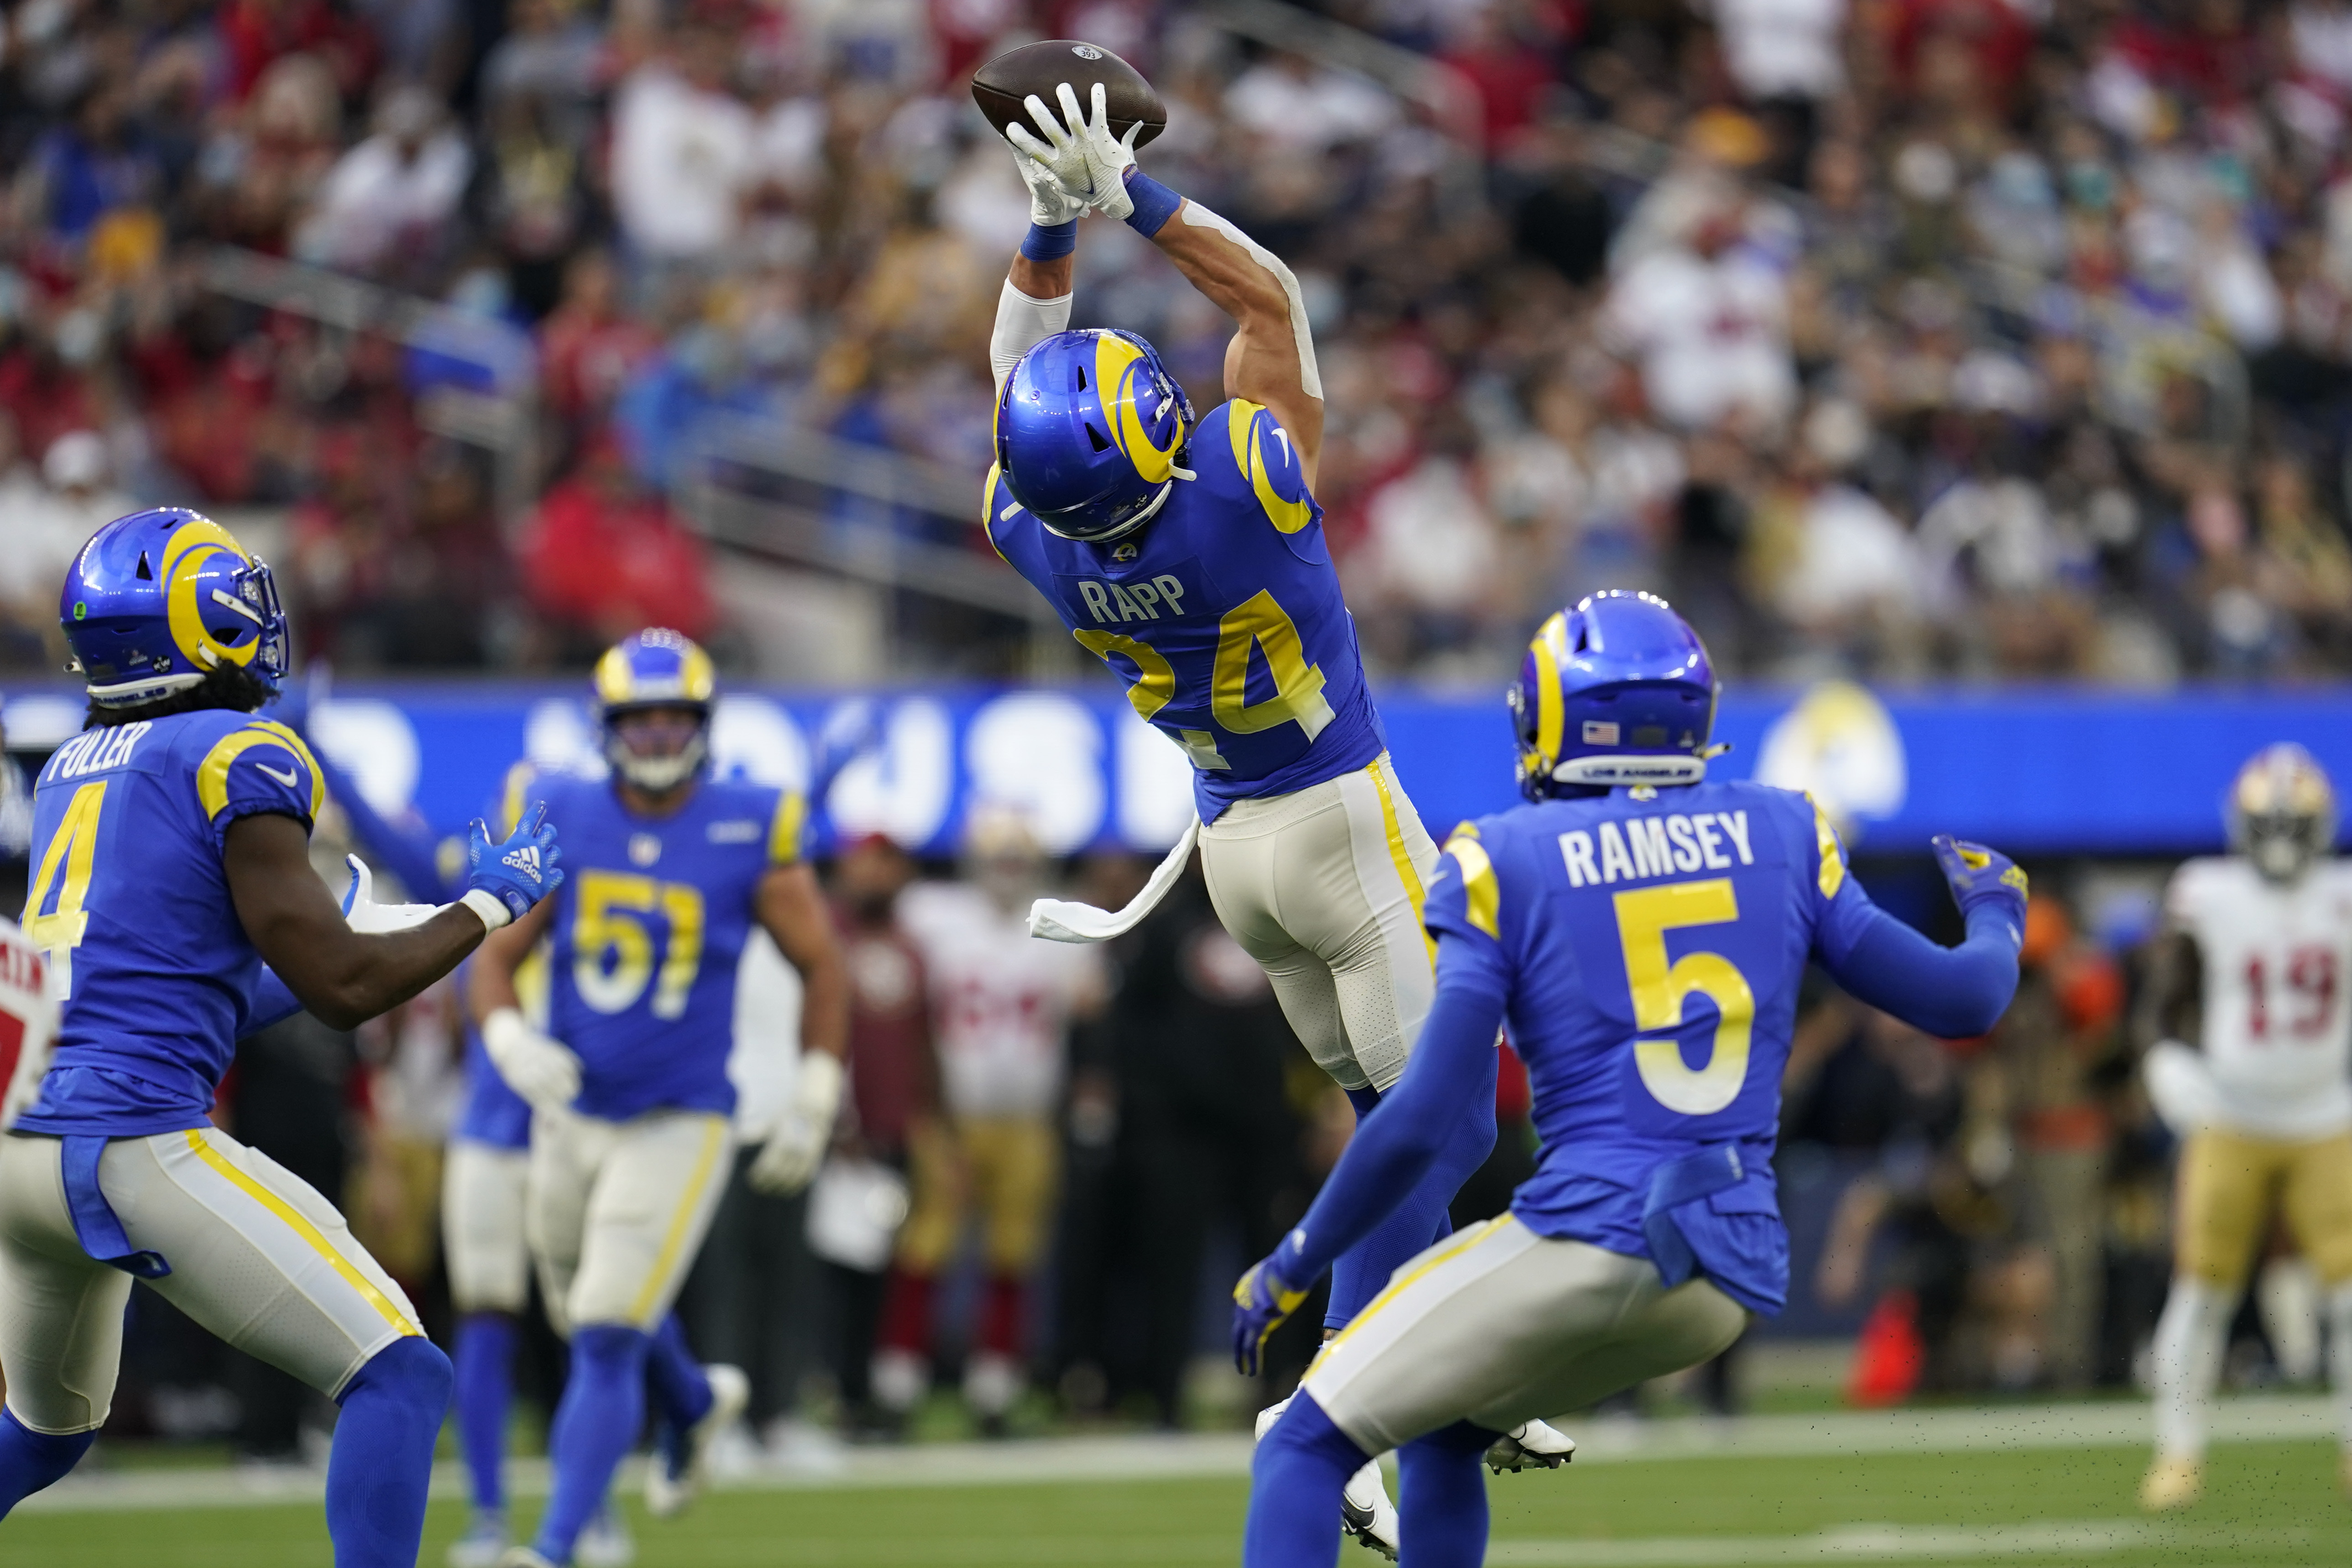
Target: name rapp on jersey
{"points": [[1111, 603], [1641, 847]]}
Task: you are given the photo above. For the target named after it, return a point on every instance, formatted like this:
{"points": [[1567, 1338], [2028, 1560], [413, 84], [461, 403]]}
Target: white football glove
{"points": [[363, 913], [787, 1162], [541, 1070], [1051, 203], [1090, 163]]}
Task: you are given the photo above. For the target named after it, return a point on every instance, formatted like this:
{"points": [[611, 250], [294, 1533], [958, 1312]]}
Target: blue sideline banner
{"points": [[2034, 771]]}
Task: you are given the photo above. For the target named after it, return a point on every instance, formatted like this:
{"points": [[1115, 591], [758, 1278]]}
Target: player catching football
{"points": [[1189, 555]]}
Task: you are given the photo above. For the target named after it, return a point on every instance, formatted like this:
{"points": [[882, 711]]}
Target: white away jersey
{"points": [[28, 1021], [1000, 999], [2278, 1024]]}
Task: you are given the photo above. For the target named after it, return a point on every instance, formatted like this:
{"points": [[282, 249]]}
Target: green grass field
{"points": [[2270, 1504]]}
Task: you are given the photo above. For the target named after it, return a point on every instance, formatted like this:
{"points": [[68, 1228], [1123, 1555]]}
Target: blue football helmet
{"points": [[1618, 690], [160, 599], [1091, 432], [656, 667]]}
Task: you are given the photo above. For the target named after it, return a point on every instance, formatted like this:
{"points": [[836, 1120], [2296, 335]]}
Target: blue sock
{"points": [[1441, 1490], [681, 1390], [383, 1458], [484, 1356], [1296, 1479], [30, 1460], [1363, 1271], [596, 1424]]}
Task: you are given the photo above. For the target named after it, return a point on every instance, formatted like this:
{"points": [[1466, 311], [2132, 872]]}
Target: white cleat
{"points": [[1534, 1446], [669, 1490], [1365, 1510], [1366, 1513], [484, 1542], [524, 1557], [604, 1542]]}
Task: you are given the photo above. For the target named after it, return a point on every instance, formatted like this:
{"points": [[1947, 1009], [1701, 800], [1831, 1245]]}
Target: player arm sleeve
{"points": [[788, 831], [273, 1003], [1449, 1080], [261, 769], [1953, 993], [1022, 324]]}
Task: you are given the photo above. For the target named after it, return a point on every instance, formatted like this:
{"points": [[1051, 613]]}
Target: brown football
{"points": [[1001, 86]]}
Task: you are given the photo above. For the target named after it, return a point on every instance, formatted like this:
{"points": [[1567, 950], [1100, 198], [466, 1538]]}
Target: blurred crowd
{"points": [[1918, 338]]}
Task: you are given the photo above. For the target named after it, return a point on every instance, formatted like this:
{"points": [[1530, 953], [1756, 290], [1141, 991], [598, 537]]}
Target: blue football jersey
{"points": [[1222, 615], [647, 933], [132, 905], [1653, 949]]}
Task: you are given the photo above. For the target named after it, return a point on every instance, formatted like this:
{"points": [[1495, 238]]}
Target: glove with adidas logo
{"points": [[507, 879]]}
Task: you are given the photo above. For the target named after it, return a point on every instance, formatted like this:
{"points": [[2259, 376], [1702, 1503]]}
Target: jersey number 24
{"points": [[1258, 622]]}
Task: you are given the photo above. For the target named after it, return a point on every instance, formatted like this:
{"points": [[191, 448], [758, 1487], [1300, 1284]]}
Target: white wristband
{"points": [[488, 905]]}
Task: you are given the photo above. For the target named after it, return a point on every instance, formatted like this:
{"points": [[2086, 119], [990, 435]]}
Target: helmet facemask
{"points": [[657, 747]]}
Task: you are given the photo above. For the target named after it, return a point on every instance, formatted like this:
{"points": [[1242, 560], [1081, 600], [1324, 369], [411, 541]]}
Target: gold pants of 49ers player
{"points": [[1004, 1167], [2231, 1185]]}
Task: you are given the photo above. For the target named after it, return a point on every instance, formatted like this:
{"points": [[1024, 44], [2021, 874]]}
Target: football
{"points": [[1001, 86]]}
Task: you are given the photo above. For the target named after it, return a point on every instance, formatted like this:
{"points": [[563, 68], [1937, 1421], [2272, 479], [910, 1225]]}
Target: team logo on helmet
{"points": [[2281, 811]]}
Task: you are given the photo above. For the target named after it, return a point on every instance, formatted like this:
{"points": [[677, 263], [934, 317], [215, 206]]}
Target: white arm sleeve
{"points": [[1022, 324]]}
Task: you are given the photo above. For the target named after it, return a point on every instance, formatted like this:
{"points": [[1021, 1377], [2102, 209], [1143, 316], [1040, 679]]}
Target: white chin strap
{"points": [[1614, 772]]}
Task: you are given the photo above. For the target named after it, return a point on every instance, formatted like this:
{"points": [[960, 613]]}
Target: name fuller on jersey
{"points": [[95, 751], [1657, 847], [1110, 603]]}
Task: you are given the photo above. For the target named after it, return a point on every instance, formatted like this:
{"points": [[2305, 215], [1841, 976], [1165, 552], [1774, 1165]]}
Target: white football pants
{"points": [[1500, 1325], [483, 1190], [1324, 887], [256, 1256], [616, 1210]]}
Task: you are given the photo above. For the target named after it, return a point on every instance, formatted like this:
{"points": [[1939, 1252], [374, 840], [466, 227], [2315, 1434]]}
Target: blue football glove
{"points": [[520, 871], [1982, 878], [1263, 1299]]}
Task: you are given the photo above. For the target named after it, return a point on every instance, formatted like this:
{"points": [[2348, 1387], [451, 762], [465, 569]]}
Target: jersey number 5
{"points": [[73, 849], [613, 953], [1643, 918]]}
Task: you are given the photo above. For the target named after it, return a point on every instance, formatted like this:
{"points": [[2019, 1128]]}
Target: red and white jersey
{"points": [[2278, 963], [1000, 999], [27, 1022]]}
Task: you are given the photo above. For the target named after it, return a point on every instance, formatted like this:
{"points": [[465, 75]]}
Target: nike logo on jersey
{"points": [[289, 778], [1655, 847], [524, 859], [1110, 603]]}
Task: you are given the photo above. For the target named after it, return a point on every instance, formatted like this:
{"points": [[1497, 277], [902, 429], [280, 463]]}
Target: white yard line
{"points": [[2069, 1540], [1131, 1457]]}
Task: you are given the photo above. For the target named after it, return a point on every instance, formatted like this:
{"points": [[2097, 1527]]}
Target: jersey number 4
{"points": [[1256, 624], [67, 863], [613, 952], [1644, 916]]}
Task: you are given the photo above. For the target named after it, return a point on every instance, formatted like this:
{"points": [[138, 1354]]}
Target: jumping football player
{"points": [[172, 860], [1645, 933], [631, 1144], [1189, 555], [2252, 970]]}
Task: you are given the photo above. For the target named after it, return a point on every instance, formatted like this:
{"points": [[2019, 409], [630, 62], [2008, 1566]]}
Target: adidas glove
{"points": [[507, 879], [1263, 1301], [1982, 879], [540, 1068], [787, 1162]]}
